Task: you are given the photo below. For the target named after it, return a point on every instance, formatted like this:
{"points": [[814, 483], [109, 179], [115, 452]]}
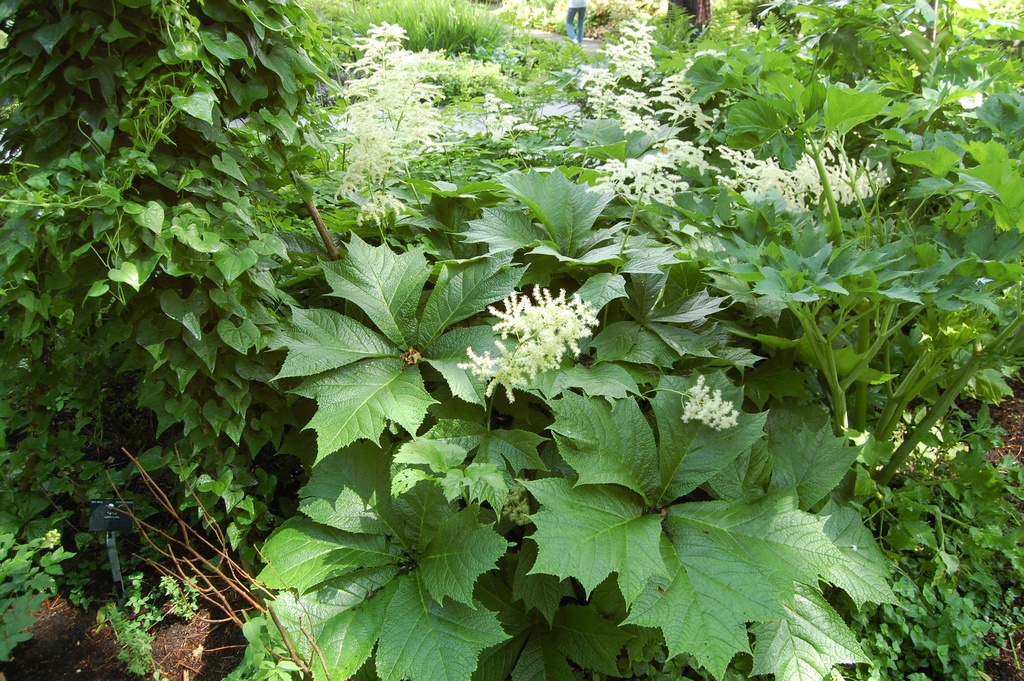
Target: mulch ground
{"points": [[1009, 666], [67, 645]]}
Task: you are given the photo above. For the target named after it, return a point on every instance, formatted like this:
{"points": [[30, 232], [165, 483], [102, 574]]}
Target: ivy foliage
{"points": [[147, 159]]}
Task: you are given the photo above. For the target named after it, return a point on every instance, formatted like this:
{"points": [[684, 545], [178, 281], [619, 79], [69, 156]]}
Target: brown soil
{"points": [[68, 646], [1010, 417]]}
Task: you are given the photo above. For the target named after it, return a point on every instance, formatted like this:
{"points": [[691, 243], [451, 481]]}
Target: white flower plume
{"points": [[544, 327]]}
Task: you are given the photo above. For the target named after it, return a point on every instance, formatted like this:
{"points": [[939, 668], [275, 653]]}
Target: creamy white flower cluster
{"points": [[654, 176], [392, 112], [499, 120], [709, 408], [380, 209], [801, 187], [544, 328]]}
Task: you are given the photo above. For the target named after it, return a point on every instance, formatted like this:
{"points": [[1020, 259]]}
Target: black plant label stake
{"points": [[111, 516]]}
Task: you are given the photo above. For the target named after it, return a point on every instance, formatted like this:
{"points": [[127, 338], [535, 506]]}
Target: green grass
{"points": [[455, 26]]}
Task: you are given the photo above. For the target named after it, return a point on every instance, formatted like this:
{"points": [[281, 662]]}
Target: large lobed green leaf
{"points": [[384, 285], [320, 340], [357, 401], [590, 532]]}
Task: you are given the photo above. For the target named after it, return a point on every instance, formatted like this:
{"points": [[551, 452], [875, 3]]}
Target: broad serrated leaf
{"points": [[439, 456], [517, 447], [864, 572], [503, 229], [691, 453], [567, 210], [704, 604], [460, 551], [357, 401], [601, 289], [810, 461], [606, 444], [386, 286], [602, 379], [422, 640], [539, 591], [590, 532], [449, 351], [343, 621], [806, 643], [302, 554], [542, 661], [631, 342], [320, 340], [584, 636], [774, 533], [694, 310], [465, 289], [349, 490]]}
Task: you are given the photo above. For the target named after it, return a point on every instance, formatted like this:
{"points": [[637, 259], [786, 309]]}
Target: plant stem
{"points": [[835, 231], [945, 401]]}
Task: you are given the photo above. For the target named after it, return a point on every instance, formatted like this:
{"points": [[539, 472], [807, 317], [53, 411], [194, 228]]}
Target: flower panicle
{"points": [[709, 407], [544, 328]]}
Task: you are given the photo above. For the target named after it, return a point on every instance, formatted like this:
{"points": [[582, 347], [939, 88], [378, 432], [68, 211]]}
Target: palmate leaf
{"points": [[422, 640], [350, 490], [567, 210], [384, 285], [806, 643], [503, 229], [449, 351], [864, 572], [590, 532], [343, 621], [691, 453], [464, 289], [788, 542], [301, 554], [606, 444], [356, 401], [811, 462], [320, 340], [705, 603], [460, 551]]}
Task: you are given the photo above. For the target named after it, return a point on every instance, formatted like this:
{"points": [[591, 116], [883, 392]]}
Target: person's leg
{"points": [[568, 23], [580, 17]]}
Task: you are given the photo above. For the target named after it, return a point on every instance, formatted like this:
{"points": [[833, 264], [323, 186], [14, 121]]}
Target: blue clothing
{"points": [[577, 14]]}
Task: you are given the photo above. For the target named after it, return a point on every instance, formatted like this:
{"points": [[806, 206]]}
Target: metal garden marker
{"points": [[112, 516]]}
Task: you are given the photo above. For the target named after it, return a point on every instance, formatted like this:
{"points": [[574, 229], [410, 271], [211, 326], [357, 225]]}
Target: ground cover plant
{"points": [[659, 379]]}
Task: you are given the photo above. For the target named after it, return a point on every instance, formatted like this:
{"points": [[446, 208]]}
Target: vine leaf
{"points": [[606, 444], [590, 532], [422, 640], [806, 643], [384, 285], [460, 551], [864, 572], [464, 289], [356, 401], [321, 340]]}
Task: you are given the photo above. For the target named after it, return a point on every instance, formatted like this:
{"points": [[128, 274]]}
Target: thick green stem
{"points": [[822, 349], [860, 397], [835, 231], [945, 401]]}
